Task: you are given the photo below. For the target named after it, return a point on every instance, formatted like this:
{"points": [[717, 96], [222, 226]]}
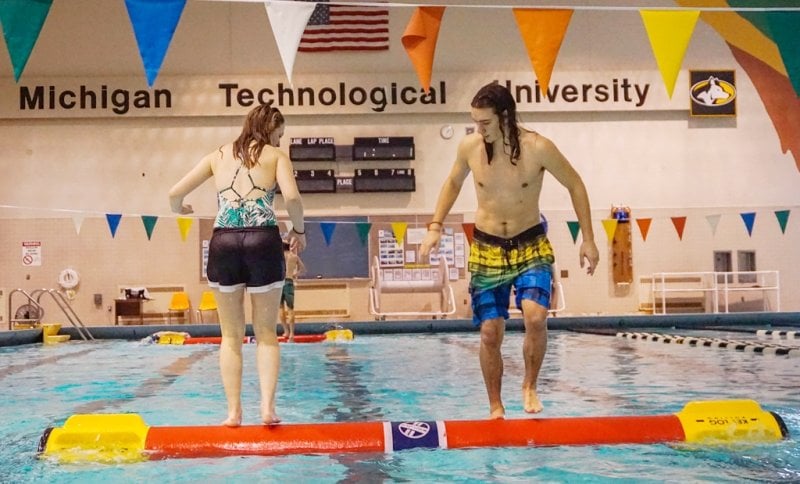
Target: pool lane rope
{"points": [[739, 345], [776, 334], [122, 438]]}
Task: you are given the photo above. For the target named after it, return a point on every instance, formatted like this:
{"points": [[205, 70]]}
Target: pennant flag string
{"points": [[620, 8]]}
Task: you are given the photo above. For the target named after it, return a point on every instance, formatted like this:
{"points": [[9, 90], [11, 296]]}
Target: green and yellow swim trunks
{"points": [[497, 264]]}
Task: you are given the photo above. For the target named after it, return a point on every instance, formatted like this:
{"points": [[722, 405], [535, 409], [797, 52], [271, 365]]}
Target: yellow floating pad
{"points": [[729, 421], [339, 335], [171, 337], [51, 329], [99, 438], [55, 339]]}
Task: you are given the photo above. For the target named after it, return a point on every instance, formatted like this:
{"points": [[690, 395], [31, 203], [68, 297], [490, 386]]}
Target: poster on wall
{"points": [[390, 253], [31, 253], [713, 93]]}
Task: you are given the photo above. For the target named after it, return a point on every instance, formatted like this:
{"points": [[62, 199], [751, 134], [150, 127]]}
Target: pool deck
{"points": [[685, 321]]}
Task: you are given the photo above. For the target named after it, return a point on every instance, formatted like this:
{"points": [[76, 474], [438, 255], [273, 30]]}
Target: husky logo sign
{"points": [[713, 93]]}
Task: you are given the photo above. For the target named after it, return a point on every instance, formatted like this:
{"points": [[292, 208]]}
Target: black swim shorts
{"points": [[249, 257]]}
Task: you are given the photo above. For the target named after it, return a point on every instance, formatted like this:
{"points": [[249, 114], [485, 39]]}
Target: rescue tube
{"points": [[127, 438]]}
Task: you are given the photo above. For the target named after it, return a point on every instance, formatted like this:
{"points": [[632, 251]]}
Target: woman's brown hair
{"points": [[261, 121]]}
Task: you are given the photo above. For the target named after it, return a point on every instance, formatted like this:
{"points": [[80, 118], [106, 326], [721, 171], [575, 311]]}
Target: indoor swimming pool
{"points": [[404, 377]]}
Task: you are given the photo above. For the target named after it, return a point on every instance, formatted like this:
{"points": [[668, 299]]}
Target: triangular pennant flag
{"points": [[77, 222], [783, 218], [327, 231], [542, 32], [399, 230], [679, 223], [184, 224], [419, 40], [363, 232], [713, 221], [22, 21], [149, 222], [154, 23], [669, 33], [749, 218], [610, 225], [113, 222], [783, 27], [469, 231], [644, 226], [574, 228], [288, 21]]}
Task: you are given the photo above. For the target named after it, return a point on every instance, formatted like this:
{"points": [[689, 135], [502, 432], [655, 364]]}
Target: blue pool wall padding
{"points": [[685, 321]]}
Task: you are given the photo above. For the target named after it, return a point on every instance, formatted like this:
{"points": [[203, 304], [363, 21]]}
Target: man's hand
{"points": [[430, 242], [589, 252]]}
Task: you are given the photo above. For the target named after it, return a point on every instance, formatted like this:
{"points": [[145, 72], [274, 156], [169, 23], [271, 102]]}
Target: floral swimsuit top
{"points": [[243, 211]]}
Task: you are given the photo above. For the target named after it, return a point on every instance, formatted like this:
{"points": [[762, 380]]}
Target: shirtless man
{"points": [[294, 269], [510, 247]]}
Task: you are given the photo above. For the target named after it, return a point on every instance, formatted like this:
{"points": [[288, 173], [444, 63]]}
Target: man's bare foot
{"points": [[531, 401], [497, 413]]}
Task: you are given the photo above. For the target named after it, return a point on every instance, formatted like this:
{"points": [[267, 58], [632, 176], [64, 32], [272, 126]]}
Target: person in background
{"points": [[245, 252], [510, 245], [294, 269]]}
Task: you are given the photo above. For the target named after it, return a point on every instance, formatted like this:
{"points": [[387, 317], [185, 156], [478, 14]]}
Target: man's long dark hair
{"points": [[501, 101]]}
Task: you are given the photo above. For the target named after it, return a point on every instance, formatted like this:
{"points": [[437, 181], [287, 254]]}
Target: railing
{"points": [[66, 308], [714, 285], [34, 320]]}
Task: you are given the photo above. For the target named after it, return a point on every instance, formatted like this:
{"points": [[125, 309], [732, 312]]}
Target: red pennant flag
{"points": [[469, 231], [679, 223]]}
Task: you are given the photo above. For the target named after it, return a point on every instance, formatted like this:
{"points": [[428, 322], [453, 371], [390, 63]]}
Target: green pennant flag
{"points": [[22, 22], [783, 27], [783, 219], [363, 231], [149, 222], [574, 228]]}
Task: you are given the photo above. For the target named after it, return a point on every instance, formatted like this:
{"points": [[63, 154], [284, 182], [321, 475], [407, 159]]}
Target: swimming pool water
{"points": [[400, 377]]}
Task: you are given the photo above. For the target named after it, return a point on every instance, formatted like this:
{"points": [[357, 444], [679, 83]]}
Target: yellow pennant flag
{"points": [[399, 230], [184, 224], [669, 33], [610, 225], [542, 31]]}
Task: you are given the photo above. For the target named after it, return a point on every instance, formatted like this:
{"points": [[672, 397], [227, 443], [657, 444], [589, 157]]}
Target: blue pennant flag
{"points": [[154, 23]]}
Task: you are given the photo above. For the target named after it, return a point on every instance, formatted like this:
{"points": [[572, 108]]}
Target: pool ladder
{"points": [[34, 299]]}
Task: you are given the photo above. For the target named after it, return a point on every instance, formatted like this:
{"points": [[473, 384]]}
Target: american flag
{"points": [[346, 27]]}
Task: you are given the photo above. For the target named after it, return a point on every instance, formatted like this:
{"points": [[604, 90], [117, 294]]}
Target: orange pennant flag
{"points": [[644, 226], [419, 40], [679, 223], [542, 31], [399, 230], [610, 225]]}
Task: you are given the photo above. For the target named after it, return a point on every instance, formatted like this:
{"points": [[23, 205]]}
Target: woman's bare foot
{"points": [[269, 417], [233, 420], [497, 413], [531, 401]]}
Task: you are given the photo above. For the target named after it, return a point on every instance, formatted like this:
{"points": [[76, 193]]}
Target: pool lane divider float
{"points": [[181, 338], [739, 345], [127, 438]]}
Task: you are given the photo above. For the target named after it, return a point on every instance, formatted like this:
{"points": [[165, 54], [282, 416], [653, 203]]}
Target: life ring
{"points": [[69, 279]]}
